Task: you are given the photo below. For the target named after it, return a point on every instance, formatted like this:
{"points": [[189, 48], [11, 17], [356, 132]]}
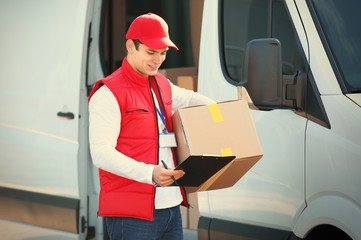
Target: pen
{"points": [[166, 167]]}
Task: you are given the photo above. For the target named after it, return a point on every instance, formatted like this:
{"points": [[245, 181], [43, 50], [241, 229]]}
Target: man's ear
{"points": [[130, 45]]}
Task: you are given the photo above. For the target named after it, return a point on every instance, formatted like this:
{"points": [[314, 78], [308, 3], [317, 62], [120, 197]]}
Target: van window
{"points": [[245, 20], [340, 28]]}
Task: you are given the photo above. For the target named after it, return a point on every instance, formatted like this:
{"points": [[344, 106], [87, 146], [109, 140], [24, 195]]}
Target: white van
{"points": [[303, 73], [45, 173], [308, 112], [51, 54]]}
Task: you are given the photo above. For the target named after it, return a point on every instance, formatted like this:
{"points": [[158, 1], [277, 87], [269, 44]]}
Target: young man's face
{"points": [[145, 60]]}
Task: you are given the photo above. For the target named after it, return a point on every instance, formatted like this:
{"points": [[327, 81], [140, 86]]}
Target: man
{"points": [[131, 134]]}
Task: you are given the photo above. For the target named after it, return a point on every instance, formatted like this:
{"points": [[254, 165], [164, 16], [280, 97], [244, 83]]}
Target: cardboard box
{"points": [[187, 82], [222, 129], [173, 73], [182, 77]]}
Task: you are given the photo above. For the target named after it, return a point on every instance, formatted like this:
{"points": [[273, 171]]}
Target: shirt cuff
{"points": [[149, 174]]}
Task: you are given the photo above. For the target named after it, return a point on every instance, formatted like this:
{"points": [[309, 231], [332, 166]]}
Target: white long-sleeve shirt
{"points": [[104, 129]]}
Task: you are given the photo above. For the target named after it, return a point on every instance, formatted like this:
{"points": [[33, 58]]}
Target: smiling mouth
{"points": [[153, 67]]}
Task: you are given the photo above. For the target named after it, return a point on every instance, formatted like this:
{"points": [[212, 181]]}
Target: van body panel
{"points": [[40, 111], [356, 98], [309, 172], [345, 215], [333, 155], [267, 195], [298, 25], [50, 63]]}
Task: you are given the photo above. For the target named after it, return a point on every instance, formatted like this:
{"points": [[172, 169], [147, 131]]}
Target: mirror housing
{"points": [[263, 72], [265, 84]]}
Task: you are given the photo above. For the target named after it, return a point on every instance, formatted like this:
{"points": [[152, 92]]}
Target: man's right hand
{"points": [[163, 177]]}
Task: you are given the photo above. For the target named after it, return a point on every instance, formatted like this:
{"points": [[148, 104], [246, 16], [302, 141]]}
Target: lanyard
{"points": [[161, 115], [159, 110], [166, 139]]}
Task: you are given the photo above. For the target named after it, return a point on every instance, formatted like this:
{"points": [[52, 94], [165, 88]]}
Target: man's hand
{"points": [[163, 177]]}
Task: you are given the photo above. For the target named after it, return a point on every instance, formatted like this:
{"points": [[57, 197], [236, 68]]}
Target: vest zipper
{"points": [[156, 118], [156, 123], [161, 104]]}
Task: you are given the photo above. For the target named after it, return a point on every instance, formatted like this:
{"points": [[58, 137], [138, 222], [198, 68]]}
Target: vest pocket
{"points": [[138, 123], [137, 110], [136, 114]]}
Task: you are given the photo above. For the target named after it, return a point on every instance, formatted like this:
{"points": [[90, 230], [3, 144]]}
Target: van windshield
{"points": [[339, 25]]}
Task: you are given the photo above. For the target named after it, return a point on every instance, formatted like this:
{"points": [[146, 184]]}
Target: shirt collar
{"points": [[135, 76]]}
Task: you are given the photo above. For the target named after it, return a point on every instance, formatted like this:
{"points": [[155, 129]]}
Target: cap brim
{"points": [[158, 43]]}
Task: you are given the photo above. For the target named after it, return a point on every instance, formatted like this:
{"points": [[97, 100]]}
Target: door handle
{"points": [[67, 115]]}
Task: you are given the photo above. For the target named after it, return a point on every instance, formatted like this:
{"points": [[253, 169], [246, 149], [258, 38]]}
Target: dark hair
{"points": [[136, 43]]}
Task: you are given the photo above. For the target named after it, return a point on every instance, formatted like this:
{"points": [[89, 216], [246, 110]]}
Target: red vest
{"points": [[138, 139]]}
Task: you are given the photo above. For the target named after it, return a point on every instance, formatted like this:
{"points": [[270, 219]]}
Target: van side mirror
{"points": [[263, 73], [265, 84]]}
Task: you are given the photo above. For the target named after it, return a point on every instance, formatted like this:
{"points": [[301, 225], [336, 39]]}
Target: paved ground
{"points": [[190, 234]]}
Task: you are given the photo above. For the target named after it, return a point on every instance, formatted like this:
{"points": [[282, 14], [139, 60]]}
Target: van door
{"points": [[271, 194], [43, 46]]}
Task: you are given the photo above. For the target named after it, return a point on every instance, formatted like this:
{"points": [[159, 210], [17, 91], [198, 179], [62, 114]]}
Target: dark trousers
{"points": [[167, 224]]}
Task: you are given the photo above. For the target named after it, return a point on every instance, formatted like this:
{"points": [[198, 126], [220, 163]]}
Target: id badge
{"points": [[167, 140]]}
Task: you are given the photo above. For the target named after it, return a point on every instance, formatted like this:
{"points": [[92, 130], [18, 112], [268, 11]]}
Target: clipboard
{"points": [[198, 169]]}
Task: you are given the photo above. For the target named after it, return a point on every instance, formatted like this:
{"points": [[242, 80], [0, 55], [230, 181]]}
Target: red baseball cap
{"points": [[151, 30]]}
